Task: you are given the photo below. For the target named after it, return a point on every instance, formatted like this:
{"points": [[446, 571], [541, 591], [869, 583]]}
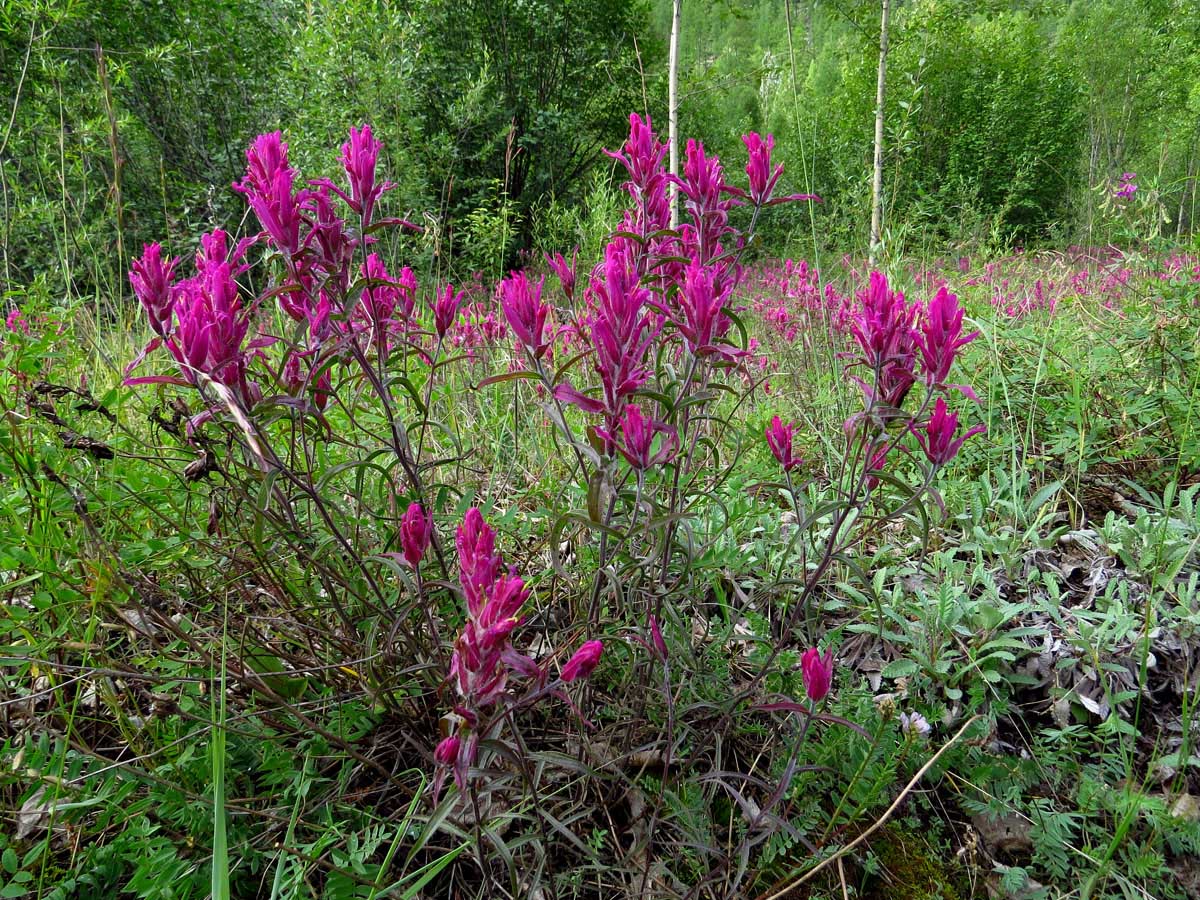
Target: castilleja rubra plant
{"points": [[307, 342], [484, 661]]}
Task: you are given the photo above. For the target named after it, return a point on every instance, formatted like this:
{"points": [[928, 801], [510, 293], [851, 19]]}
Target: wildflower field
{"points": [[664, 562]]}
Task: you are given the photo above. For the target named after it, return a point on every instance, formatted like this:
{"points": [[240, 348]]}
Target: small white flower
{"points": [[914, 724]]}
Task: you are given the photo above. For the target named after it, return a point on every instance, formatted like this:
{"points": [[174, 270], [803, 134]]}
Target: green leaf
{"points": [[900, 668]]}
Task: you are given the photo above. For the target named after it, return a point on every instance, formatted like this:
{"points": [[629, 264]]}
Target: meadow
{"points": [[673, 570]]}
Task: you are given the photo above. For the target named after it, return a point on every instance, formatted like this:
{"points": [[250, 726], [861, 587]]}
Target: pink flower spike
{"points": [[883, 325], [701, 302], [564, 271], [445, 309], [779, 439], [267, 186], [762, 178], [938, 440], [211, 326], [584, 662], [16, 322], [151, 279], [941, 337], [638, 434], [359, 157], [416, 531], [478, 562], [381, 295], [817, 672], [526, 313]]}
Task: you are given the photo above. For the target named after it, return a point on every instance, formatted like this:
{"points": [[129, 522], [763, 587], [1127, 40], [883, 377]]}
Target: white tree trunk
{"points": [[673, 107], [877, 176]]}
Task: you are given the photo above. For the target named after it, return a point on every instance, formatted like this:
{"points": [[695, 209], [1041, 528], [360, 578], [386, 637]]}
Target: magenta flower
{"points": [[359, 157], [406, 281], [380, 296], [16, 322], [701, 318], [656, 639], [938, 440], [877, 462], [318, 315], [477, 664], [762, 178], [211, 325], [941, 338], [895, 380], [642, 156], [445, 309], [478, 563], [565, 271], [643, 152], [638, 435], [264, 157], [151, 279], [447, 750], [482, 658], [703, 179], [526, 313], [779, 439], [214, 248], [623, 330], [331, 244], [817, 672], [267, 186], [702, 187], [883, 325], [416, 531], [584, 662]]}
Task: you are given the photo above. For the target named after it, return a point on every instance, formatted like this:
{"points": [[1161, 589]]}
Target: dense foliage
{"points": [[1003, 120]]}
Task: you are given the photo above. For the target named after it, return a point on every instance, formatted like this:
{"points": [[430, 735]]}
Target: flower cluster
{"points": [[526, 313], [416, 533], [16, 322], [639, 440], [642, 156], [653, 275], [1128, 186], [898, 344], [200, 320], [937, 437], [623, 330], [763, 179], [203, 321], [483, 659], [884, 326]]}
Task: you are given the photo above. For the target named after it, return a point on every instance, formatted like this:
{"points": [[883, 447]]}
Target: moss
{"points": [[912, 870]]}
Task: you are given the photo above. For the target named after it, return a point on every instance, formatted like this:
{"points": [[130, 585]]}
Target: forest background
{"points": [[1007, 122]]}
